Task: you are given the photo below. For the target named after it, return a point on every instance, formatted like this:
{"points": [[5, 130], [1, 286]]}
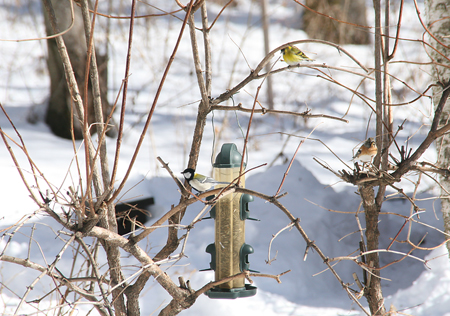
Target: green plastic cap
{"points": [[246, 291], [229, 157]]}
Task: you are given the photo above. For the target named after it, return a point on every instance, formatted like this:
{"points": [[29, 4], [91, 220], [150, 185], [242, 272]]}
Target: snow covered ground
{"points": [[307, 290]]}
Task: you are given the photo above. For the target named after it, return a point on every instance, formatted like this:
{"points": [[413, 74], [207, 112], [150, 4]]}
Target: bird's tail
{"points": [[223, 182]]}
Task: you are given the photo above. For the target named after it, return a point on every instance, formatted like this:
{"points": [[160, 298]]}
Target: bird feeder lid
{"points": [[229, 157]]}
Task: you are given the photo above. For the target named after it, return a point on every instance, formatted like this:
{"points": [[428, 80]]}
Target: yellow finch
{"points": [[293, 56]]}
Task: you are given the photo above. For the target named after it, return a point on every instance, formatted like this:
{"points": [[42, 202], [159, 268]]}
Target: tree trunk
{"points": [[59, 112], [439, 25], [372, 291], [325, 28]]}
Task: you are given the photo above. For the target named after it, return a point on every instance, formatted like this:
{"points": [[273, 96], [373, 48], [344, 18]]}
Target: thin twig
{"points": [[293, 158], [289, 226], [152, 109]]}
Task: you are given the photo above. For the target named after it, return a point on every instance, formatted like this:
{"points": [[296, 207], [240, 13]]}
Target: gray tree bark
{"points": [[60, 109], [324, 28], [437, 12]]}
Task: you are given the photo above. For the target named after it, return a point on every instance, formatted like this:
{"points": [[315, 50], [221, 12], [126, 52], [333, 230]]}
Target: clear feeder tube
{"points": [[229, 231]]}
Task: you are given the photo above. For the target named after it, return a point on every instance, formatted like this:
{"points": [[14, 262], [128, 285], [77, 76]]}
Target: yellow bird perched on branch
{"points": [[293, 56]]}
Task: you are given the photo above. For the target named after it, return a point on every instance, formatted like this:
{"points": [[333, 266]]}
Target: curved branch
{"points": [[314, 66], [263, 111], [255, 74]]}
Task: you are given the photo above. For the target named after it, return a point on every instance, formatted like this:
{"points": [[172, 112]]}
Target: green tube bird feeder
{"points": [[229, 253]]}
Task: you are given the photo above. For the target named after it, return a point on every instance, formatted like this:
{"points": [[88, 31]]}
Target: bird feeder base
{"points": [[246, 291]]}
